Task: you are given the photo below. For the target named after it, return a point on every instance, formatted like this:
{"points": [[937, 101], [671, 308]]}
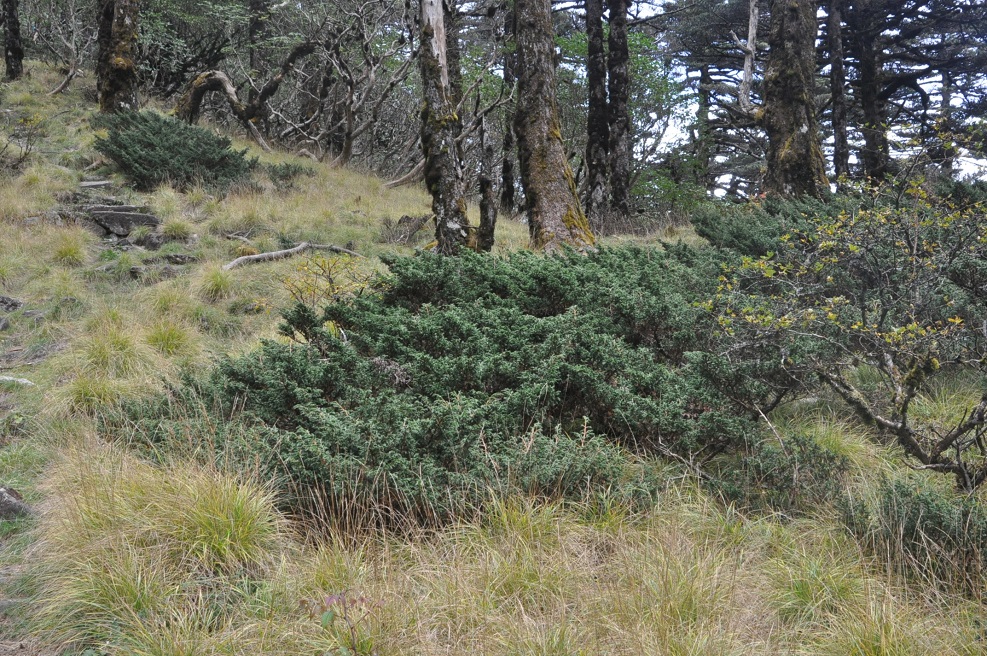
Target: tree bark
{"points": [[257, 33], [618, 87], [837, 84], [876, 151], [750, 56], [508, 191], [13, 47], [116, 68], [796, 166], [555, 216], [597, 125], [488, 191], [440, 125], [702, 147]]}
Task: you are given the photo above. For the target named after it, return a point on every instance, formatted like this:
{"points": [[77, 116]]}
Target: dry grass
{"points": [[181, 559]]}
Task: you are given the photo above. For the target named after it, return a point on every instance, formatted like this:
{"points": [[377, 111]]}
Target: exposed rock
{"points": [[122, 223], [12, 504], [8, 304], [151, 241], [4, 324], [94, 184], [110, 207], [181, 258]]}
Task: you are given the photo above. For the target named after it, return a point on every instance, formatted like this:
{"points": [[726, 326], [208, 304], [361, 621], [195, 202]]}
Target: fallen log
{"points": [[17, 381], [286, 253]]}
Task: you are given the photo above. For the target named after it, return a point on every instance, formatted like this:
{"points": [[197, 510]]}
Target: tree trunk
{"points": [[619, 83], [837, 84], [750, 56], [116, 70], [555, 216], [13, 48], [945, 153], [597, 126], [702, 146], [488, 191], [440, 125], [796, 166], [257, 33], [876, 152], [508, 191]]}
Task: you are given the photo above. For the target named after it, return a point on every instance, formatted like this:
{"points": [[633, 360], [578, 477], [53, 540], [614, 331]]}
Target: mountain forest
{"points": [[507, 327]]}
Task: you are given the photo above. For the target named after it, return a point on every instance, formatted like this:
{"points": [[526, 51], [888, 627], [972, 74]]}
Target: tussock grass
{"points": [[215, 284], [188, 559]]}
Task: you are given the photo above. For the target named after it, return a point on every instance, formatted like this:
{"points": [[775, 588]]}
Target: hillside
{"points": [[183, 546]]}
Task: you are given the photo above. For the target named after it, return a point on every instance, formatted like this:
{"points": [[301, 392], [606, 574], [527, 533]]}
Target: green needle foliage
{"points": [[457, 375], [151, 149]]}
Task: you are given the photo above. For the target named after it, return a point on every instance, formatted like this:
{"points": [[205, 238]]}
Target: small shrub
{"points": [[283, 175], [788, 476], [930, 530], [454, 376], [151, 150]]}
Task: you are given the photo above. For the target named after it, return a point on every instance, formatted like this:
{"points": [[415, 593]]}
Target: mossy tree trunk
{"points": [[555, 216], [597, 127], [619, 89], [116, 68], [837, 85], [795, 159], [13, 48], [440, 126]]}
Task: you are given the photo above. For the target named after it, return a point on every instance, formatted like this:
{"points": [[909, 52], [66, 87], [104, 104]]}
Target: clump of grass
{"points": [[222, 524], [70, 248], [170, 338], [91, 393], [215, 284], [135, 557], [114, 352], [177, 230]]}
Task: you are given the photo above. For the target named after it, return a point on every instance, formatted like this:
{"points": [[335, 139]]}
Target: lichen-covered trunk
{"points": [[488, 191], [837, 85], [597, 199], [440, 125], [619, 89], [116, 68], [796, 166], [13, 48], [750, 56], [555, 216]]}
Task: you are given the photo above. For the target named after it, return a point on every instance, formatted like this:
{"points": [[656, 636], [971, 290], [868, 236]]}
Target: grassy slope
{"points": [[183, 560]]}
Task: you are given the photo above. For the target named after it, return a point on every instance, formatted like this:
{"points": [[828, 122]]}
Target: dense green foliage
{"points": [[876, 303], [455, 375], [151, 149]]}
